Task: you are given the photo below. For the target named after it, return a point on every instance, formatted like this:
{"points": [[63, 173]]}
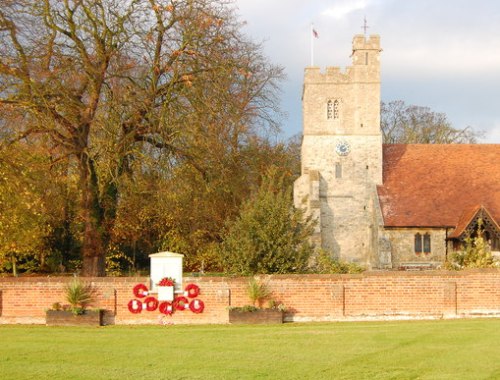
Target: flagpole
{"points": [[312, 44]]}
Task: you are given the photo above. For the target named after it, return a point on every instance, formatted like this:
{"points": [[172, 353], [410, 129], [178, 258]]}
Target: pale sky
{"points": [[443, 54]]}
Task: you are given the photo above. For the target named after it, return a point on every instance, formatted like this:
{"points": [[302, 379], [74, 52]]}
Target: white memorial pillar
{"points": [[166, 264]]}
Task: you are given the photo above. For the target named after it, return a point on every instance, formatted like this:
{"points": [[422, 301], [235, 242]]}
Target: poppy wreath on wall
{"points": [[140, 290], [180, 303], [135, 306], [166, 308], [192, 290], [151, 303], [196, 306]]}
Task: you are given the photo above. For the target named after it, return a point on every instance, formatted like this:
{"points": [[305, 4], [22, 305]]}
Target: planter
{"points": [[261, 316], [67, 318]]}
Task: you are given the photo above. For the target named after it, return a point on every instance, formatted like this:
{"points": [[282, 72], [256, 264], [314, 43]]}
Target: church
{"points": [[387, 206]]}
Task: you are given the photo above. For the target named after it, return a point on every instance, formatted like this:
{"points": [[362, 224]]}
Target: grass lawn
{"points": [[460, 349]]}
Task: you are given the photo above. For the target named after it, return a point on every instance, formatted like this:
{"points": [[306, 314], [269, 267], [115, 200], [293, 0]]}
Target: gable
{"points": [[431, 185], [469, 221]]}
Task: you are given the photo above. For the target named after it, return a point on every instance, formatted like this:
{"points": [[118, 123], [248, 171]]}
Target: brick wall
{"points": [[372, 295]]}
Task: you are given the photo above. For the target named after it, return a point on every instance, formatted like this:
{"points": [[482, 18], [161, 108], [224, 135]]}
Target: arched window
{"points": [[332, 109], [336, 109], [427, 243], [422, 243], [329, 110], [418, 244]]}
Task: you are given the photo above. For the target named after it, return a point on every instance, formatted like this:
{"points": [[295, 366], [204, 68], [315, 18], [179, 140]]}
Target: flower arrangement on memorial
{"points": [[166, 281]]}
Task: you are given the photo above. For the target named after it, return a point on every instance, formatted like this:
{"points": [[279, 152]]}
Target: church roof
{"points": [[431, 185]]}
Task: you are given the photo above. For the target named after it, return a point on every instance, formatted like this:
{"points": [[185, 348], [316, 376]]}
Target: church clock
{"points": [[342, 148]]}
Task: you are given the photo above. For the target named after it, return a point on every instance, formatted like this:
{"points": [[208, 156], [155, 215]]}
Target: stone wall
{"points": [[372, 295], [403, 249]]}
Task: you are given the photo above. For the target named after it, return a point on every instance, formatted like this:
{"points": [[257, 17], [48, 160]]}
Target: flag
{"points": [[315, 34]]}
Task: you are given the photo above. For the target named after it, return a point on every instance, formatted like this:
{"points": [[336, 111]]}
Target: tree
{"points": [[270, 235], [115, 85], [26, 215], [407, 124]]}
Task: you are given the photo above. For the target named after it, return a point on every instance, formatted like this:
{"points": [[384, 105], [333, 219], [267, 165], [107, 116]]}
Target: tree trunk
{"points": [[94, 266], [93, 245]]}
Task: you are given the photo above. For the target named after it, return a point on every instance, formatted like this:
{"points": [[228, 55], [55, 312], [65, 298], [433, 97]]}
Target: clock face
{"points": [[342, 148]]}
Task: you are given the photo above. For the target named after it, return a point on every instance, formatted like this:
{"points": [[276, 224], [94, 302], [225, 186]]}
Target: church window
{"points": [[427, 243], [338, 170], [418, 244], [422, 243], [332, 109], [336, 109]]}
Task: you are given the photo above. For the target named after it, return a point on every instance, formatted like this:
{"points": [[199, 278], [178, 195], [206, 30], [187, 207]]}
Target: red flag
{"points": [[315, 34]]}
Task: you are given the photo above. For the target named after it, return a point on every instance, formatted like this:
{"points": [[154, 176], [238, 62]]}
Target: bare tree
{"points": [[406, 124]]}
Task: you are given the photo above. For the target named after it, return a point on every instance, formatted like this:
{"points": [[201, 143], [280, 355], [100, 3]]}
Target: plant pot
{"points": [[261, 316], [67, 318]]}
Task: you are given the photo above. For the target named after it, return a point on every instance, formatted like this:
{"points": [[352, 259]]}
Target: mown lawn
{"points": [[461, 349]]}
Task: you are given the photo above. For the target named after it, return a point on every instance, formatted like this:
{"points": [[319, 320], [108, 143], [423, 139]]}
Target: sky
{"points": [[441, 54]]}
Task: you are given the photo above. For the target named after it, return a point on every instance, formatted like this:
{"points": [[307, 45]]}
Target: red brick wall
{"points": [[374, 295]]}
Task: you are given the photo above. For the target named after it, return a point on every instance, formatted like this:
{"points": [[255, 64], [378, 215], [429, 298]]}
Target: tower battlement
{"points": [[359, 41], [365, 64], [331, 74]]}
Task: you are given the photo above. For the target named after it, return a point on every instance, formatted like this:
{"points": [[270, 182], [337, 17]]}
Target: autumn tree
{"points": [[408, 124], [22, 219], [113, 84], [32, 201]]}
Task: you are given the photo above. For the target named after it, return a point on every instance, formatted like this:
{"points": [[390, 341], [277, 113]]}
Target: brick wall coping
{"points": [[298, 277]]}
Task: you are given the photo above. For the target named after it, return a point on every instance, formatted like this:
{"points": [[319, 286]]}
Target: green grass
{"points": [[461, 349]]}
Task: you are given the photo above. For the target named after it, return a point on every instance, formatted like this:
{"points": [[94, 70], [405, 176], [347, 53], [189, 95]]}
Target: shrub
{"points": [[476, 253], [270, 235], [244, 309], [325, 263]]}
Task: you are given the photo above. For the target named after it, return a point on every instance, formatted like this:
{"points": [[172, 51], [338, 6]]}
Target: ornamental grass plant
{"points": [[258, 291], [79, 295]]}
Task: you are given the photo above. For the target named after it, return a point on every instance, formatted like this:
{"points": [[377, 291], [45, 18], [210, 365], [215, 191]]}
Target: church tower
{"points": [[342, 154]]}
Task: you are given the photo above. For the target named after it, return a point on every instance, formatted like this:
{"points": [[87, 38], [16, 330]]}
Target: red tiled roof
{"points": [[431, 185], [464, 220]]}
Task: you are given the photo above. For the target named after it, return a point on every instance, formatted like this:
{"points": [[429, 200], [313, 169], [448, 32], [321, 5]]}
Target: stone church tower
{"points": [[342, 154]]}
